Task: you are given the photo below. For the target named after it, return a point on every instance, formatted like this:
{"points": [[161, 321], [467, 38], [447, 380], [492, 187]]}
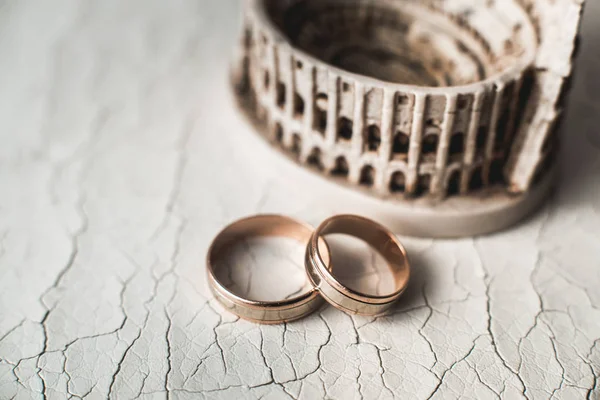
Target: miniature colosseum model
{"points": [[425, 104]]}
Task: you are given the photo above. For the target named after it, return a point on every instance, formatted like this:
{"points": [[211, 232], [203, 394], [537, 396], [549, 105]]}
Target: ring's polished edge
{"points": [[266, 312], [341, 296]]}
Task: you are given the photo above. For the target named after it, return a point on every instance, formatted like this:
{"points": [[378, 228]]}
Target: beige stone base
{"points": [[488, 212]]}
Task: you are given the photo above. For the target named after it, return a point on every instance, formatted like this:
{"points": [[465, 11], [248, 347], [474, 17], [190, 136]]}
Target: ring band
{"points": [[268, 312], [346, 299]]}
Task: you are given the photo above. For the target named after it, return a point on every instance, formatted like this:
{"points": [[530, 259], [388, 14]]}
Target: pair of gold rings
{"points": [[318, 267]]}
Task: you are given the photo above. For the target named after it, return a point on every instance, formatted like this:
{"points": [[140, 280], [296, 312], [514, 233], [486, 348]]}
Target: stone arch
{"points": [[453, 185], [341, 167], [314, 159], [401, 143], [398, 182], [367, 175]]}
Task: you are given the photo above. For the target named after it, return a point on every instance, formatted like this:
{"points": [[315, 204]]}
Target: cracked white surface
{"points": [[122, 155]]}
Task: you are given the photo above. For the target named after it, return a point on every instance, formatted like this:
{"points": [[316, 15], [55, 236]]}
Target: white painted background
{"points": [[122, 154]]}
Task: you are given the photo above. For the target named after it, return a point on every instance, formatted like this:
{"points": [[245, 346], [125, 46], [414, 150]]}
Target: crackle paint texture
{"points": [[122, 154]]}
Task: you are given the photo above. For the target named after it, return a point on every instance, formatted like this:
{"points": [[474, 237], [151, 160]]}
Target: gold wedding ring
{"points": [[340, 296], [318, 267], [263, 311]]}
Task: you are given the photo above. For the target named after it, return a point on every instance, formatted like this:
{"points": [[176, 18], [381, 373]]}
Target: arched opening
{"points": [[454, 184], [423, 184], [280, 94], [402, 100], [314, 159], [244, 83], [296, 144], [501, 129], [341, 167], [345, 129], [367, 176], [430, 144], [398, 182], [373, 138], [457, 144], [476, 181], [401, 143], [320, 121], [463, 102], [481, 138], [496, 172], [298, 105], [278, 132]]}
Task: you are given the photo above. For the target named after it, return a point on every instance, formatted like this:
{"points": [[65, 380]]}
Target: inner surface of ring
{"points": [[261, 258], [357, 265], [379, 240]]}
